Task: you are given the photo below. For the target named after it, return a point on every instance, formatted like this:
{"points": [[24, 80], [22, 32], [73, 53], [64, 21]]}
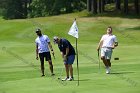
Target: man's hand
{"points": [[53, 54], [65, 58], [115, 45], [98, 49], [36, 57]]}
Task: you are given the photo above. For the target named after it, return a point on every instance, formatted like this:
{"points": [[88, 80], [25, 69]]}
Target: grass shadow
{"points": [[121, 72], [83, 80], [135, 28], [113, 14]]}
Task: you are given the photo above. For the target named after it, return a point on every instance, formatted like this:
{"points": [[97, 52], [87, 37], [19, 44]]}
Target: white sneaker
{"points": [[65, 79], [107, 70], [70, 79]]}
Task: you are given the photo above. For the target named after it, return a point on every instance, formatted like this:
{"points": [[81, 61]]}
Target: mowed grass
{"points": [[20, 71]]}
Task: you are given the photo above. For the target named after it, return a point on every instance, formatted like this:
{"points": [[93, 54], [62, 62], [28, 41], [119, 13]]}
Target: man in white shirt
{"points": [[106, 44], [42, 49]]}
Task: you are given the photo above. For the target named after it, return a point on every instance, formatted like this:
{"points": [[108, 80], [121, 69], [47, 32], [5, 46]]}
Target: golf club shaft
{"points": [[62, 69], [99, 58], [53, 56]]}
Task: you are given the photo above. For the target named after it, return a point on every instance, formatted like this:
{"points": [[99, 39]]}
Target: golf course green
{"points": [[20, 71]]}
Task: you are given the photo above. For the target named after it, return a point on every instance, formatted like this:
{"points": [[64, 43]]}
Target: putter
{"points": [[53, 56], [60, 77]]}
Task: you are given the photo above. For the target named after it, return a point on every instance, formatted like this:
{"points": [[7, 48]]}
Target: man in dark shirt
{"points": [[68, 55]]}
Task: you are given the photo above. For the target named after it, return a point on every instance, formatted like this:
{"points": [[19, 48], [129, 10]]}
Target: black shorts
{"points": [[45, 55]]}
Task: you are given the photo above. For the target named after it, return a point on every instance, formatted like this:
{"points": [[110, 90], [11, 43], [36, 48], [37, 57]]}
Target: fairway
{"points": [[20, 71]]}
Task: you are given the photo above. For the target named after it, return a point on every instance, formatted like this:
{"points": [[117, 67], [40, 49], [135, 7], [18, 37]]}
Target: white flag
{"points": [[74, 30]]}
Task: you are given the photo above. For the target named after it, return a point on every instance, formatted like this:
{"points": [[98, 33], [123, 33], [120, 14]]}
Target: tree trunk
{"points": [[103, 5], [92, 6], [118, 4], [108, 1], [126, 6], [136, 3], [25, 9], [89, 5], [99, 6], [95, 6]]}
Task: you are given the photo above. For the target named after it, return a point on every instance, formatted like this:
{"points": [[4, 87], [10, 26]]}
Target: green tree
{"points": [[38, 8], [58, 5], [14, 9], [55, 7]]}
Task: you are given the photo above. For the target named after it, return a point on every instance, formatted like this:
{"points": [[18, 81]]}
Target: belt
{"points": [[107, 47]]}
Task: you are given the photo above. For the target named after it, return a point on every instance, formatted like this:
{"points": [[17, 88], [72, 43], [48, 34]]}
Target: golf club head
{"points": [[60, 79]]}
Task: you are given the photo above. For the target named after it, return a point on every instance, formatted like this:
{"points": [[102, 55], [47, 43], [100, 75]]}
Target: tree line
{"points": [[98, 6], [15, 9]]}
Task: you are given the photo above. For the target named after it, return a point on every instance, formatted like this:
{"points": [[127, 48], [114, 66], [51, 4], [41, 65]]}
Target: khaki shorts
{"points": [[106, 52]]}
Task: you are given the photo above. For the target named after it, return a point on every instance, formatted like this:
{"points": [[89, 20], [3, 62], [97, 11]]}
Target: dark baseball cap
{"points": [[38, 30]]}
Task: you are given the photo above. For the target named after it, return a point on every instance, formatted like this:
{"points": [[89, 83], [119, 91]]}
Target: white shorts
{"points": [[106, 52]]}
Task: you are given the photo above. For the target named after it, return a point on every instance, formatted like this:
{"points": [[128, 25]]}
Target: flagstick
{"points": [[77, 62], [74, 32]]}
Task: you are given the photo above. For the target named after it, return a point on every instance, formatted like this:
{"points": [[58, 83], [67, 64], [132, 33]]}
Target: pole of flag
{"points": [[74, 32], [77, 61]]}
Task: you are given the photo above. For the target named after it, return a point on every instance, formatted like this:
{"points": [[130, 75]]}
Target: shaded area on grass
{"points": [[121, 72], [134, 28], [113, 14]]}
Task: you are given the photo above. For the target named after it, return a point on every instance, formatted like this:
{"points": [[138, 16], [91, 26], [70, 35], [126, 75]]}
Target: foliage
{"points": [[55, 7]]}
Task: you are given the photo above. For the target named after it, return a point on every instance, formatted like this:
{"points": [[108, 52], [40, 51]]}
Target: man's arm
{"points": [[67, 51], [37, 51], [62, 55], [66, 55], [50, 46], [115, 42], [99, 45]]}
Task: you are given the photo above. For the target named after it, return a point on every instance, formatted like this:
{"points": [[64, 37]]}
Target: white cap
{"points": [[55, 39]]}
